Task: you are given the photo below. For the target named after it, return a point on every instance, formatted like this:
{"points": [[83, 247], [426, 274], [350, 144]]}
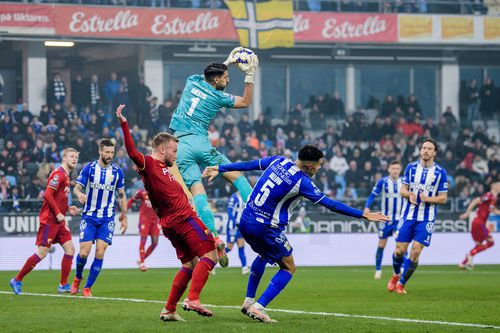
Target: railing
{"points": [[370, 6]]}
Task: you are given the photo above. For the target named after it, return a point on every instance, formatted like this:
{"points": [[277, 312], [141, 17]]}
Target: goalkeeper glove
{"points": [[232, 58], [253, 63]]}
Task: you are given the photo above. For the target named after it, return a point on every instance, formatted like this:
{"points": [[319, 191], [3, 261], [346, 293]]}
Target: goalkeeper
{"points": [[202, 98]]}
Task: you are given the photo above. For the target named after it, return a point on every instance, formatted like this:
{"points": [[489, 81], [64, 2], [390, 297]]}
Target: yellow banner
{"points": [[457, 27], [415, 27], [492, 28]]}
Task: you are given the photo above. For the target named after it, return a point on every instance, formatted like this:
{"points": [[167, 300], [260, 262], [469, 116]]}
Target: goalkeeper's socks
{"points": [[277, 284], [30, 263], [243, 258], [256, 272], [205, 213], [378, 258], [179, 286], [396, 263], [243, 186], [410, 267], [95, 269], [80, 264]]}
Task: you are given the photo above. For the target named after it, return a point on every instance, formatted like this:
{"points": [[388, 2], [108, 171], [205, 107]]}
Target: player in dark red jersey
{"points": [[191, 239], [480, 234], [148, 226], [53, 227]]}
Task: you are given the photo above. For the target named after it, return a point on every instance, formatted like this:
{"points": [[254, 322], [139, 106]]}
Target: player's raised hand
{"points": [[73, 210], [211, 172], [123, 220], [231, 59], [376, 217], [82, 197], [119, 114]]}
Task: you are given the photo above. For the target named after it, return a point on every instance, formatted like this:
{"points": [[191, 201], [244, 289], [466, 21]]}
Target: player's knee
{"points": [[70, 251], [42, 253]]}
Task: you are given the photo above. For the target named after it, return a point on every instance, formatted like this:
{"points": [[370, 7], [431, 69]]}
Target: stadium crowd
{"points": [[358, 145]]}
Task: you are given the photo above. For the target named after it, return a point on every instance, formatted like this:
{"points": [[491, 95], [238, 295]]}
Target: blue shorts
{"points": [[233, 235], [409, 230], [270, 243], [386, 230], [92, 228]]}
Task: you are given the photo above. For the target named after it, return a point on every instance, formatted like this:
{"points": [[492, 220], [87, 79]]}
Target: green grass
{"points": [[438, 293]]}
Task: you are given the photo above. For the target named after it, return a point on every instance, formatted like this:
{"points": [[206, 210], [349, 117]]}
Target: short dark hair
{"points": [[161, 138], [310, 153], [436, 147], [395, 162], [213, 70], [106, 143]]}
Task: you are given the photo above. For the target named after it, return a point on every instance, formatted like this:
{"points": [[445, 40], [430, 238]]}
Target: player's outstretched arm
{"points": [[212, 171], [136, 156], [470, 208]]}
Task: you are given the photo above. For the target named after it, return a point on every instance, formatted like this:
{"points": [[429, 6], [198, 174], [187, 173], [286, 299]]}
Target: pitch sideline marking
{"points": [[333, 314]]}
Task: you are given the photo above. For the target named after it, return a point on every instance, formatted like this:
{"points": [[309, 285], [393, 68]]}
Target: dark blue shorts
{"points": [[270, 243], [92, 228], [386, 230], [409, 230]]}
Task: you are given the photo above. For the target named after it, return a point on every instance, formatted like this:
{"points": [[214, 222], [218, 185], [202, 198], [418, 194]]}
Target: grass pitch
{"points": [[325, 299]]}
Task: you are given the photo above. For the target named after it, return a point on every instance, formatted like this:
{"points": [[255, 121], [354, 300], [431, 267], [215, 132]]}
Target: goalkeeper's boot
{"points": [[196, 306], [259, 314], [247, 304], [221, 252], [86, 292], [400, 289], [63, 289], [75, 286], [17, 286], [166, 315], [391, 286]]}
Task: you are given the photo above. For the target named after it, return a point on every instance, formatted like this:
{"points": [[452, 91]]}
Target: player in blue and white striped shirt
{"points": [[389, 190], [424, 186], [235, 207], [100, 179], [278, 192]]}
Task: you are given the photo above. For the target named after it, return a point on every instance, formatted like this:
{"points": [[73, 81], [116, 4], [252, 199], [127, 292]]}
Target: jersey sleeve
{"points": [[310, 191], [120, 184], [226, 100], [136, 156], [443, 182], [55, 180], [83, 177], [261, 164], [406, 177]]}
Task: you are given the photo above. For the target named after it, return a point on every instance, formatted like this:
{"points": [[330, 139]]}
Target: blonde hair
{"points": [[162, 138], [66, 151]]}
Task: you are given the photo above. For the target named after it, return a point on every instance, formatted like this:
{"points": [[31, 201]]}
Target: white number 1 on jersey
{"points": [[194, 102]]}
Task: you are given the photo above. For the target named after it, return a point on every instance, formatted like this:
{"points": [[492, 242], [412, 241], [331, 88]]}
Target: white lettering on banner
{"points": [[177, 26], [300, 24], [123, 20], [20, 223], [23, 17], [373, 25]]}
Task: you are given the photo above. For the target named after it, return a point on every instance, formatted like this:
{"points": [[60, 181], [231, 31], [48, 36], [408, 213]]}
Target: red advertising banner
{"points": [[27, 19], [345, 28]]}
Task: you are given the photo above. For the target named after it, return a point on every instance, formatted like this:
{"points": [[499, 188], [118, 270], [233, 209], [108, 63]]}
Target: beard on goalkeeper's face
{"points": [[220, 87]]}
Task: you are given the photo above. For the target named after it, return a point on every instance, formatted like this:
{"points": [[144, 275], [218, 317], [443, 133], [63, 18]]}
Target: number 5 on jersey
{"points": [[264, 192]]}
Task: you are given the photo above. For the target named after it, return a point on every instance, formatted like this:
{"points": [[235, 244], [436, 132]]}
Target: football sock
{"points": [[228, 250], [277, 284], [243, 258], [410, 267], [142, 245], [179, 286], [30, 263], [480, 248], [378, 258], [95, 269], [80, 264], [396, 263], [66, 262], [243, 186], [205, 213], [200, 277], [256, 272], [150, 250]]}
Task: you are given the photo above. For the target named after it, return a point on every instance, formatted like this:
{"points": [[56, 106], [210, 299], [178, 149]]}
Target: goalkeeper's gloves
{"points": [[253, 63], [231, 59]]}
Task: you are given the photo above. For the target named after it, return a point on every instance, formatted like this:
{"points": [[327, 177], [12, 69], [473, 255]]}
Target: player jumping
{"points": [[234, 210], [53, 226], [278, 192], [202, 98], [480, 234], [389, 188], [100, 179], [148, 226], [191, 239], [424, 186]]}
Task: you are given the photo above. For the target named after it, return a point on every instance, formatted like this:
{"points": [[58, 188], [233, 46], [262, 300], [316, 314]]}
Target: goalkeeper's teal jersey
{"points": [[198, 105]]}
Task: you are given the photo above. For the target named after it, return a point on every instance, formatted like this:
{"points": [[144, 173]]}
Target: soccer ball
{"points": [[244, 59]]}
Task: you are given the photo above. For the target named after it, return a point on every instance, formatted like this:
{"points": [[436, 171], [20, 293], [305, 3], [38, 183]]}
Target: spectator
{"points": [[451, 120], [338, 163], [79, 96], [262, 126], [472, 101], [141, 96], [166, 111], [316, 118], [413, 103], [487, 95], [388, 106], [338, 108], [56, 90], [244, 126], [94, 93], [111, 88]]}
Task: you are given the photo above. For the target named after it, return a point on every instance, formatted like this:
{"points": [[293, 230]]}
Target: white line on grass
{"points": [[333, 314]]}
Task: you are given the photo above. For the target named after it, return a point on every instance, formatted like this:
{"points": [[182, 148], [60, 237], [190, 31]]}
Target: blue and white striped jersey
{"points": [[101, 185], [280, 190], [430, 181], [390, 197], [235, 207]]}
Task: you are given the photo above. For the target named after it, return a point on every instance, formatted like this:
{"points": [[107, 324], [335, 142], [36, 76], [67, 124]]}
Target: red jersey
{"points": [[166, 194], [488, 201], [146, 211], [55, 198]]}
